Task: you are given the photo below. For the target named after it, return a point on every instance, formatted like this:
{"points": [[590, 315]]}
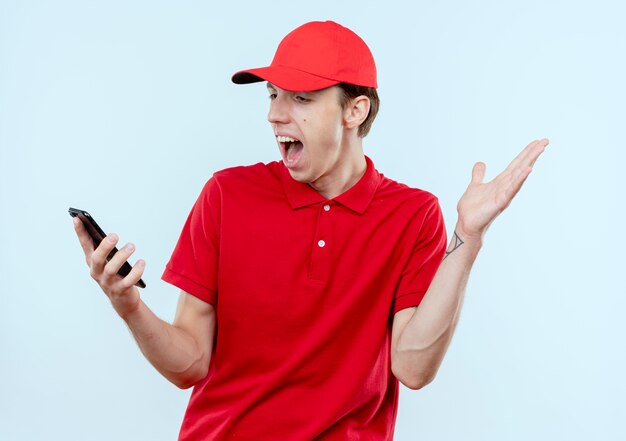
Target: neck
{"points": [[347, 173]]}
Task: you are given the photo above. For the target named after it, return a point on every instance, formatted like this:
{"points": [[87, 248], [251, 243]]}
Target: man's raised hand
{"points": [[483, 202]]}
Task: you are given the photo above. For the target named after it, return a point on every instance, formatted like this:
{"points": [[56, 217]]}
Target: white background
{"points": [[125, 109]]}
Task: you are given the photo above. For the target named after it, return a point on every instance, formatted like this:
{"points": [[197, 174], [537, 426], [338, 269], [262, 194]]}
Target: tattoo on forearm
{"points": [[456, 244]]}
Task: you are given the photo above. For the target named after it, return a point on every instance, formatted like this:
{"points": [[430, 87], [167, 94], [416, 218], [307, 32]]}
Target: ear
{"points": [[356, 112]]}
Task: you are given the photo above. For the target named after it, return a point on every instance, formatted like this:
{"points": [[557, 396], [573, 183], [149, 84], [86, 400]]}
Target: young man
{"points": [[301, 279]]}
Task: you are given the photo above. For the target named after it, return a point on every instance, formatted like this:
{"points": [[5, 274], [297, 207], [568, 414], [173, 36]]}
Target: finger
{"points": [[522, 158], [533, 153], [135, 274], [542, 148], [98, 258], [478, 172], [84, 238], [116, 262], [517, 183]]}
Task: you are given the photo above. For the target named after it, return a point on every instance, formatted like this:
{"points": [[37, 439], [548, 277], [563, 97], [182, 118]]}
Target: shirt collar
{"points": [[357, 198]]}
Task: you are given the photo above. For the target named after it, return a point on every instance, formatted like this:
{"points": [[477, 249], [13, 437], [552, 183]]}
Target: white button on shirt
{"points": [[326, 207], [321, 244]]}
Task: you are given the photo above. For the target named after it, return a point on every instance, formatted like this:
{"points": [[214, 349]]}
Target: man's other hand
{"points": [[121, 291]]}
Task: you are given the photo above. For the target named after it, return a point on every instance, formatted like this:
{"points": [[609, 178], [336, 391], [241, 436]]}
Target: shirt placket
{"points": [[322, 246]]}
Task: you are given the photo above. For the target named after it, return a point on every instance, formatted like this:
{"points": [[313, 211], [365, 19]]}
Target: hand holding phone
{"points": [[97, 235]]}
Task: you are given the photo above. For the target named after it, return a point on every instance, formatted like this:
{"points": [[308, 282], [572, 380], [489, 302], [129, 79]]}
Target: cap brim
{"points": [[286, 78]]}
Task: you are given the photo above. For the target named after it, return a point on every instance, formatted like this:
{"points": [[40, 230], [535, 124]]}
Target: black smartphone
{"points": [[97, 235]]}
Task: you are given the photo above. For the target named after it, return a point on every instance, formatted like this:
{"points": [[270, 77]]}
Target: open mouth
{"points": [[291, 150]]}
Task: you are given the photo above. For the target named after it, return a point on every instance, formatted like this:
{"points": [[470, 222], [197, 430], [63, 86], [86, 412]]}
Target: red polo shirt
{"points": [[305, 290]]}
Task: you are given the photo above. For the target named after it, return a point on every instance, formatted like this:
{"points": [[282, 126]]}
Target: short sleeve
{"points": [[194, 261], [427, 254]]}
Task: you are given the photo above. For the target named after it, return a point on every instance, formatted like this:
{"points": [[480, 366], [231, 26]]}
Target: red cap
{"points": [[314, 56]]}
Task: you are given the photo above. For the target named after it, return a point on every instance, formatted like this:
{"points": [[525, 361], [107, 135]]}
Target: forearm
{"points": [[425, 338], [171, 350]]}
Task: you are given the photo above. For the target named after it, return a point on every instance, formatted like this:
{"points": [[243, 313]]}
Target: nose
{"points": [[279, 110]]}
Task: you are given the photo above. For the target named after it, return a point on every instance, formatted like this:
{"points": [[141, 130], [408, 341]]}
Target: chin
{"points": [[299, 176], [302, 173]]}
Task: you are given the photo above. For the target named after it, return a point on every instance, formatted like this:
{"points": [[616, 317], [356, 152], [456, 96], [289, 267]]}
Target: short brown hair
{"points": [[350, 91]]}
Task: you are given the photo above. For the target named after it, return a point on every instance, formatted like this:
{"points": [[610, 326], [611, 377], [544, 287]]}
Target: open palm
{"points": [[483, 202]]}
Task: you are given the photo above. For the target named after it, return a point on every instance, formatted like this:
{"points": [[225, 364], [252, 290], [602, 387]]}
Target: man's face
{"points": [[309, 130]]}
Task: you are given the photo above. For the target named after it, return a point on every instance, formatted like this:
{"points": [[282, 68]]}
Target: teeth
{"points": [[285, 139]]}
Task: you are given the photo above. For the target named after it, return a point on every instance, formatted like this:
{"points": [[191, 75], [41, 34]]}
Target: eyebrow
{"points": [[271, 87]]}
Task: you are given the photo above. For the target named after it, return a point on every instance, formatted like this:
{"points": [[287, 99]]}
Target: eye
{"points": [[302, 99], [272, 96]]}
